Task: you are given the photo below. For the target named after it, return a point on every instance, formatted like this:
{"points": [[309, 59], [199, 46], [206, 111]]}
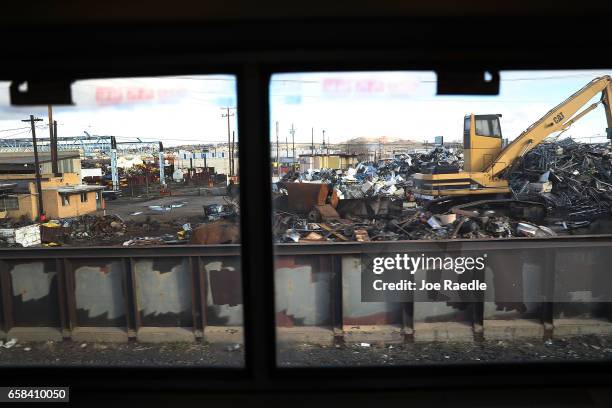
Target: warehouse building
{"points": [[63, 194]]}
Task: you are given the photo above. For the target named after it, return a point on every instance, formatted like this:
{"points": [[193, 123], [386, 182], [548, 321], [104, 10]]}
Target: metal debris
{"points": [[573, 179], [559, 187], [10, 343]]}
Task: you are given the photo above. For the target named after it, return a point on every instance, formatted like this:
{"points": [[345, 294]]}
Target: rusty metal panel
{"points": [[356, 312], [163, 291], [2, 319], [440, 306], [302, 286], [301, 197], [581, 278], [223, 291], [34, 291], [98, 292], [517, 277]]}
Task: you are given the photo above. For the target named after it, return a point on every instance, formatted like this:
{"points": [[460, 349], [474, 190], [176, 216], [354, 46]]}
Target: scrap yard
{"points": [[107, 239], [562, 187]]}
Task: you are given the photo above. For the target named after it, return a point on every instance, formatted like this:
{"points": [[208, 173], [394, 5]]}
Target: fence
{"points": [[185, 293]]}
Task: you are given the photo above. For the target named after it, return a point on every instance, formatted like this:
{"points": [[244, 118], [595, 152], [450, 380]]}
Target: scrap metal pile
{"points": [[558, 187], [486, 221], [388, 177], [371, 202], [574, 179], [217, 224], [84, 229]]}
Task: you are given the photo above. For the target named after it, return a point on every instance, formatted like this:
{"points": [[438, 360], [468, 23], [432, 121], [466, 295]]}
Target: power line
{"points": [[15, 134], [8, 130]]}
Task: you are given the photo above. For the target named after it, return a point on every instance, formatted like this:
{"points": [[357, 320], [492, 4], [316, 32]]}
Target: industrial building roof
{"points": [[23, 162], [28, 157]]}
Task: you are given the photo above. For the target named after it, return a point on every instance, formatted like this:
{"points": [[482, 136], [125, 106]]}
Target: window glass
{"points": [[466, 125], [389, 253], [483, 127], [496, 131], [9, 203], [124, 168]]}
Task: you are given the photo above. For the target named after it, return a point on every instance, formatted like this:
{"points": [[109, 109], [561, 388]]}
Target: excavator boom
{"points": [[487, 164], [557, 119]]}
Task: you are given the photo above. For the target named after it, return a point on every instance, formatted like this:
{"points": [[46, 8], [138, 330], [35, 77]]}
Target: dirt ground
{"points": [[580, 348], [150, 217], [185, 206]]}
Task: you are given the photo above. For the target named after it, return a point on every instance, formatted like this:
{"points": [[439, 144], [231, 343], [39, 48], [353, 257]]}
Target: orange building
{"points": [[63, 195]]}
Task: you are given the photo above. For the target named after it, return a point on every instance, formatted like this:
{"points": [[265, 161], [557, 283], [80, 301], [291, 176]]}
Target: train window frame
{"points": [[253, 74]]}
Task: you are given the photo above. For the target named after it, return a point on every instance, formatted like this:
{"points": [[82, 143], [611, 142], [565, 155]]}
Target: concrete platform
{"points": [[310, 335], [35, 333], [100, 334], [165, 335], [373, 334], [576, 327], [443, 331], [222, 334], [513, 329]]}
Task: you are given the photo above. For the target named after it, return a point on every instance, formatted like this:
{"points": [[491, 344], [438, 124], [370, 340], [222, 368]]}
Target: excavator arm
{"points": [[557, 119]]}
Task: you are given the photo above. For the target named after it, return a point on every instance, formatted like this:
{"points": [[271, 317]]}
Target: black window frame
{"points": [[467, 120], [490, 119], [253, 51]]}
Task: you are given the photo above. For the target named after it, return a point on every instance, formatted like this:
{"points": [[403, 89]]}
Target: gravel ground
{"points": [[366, 354], [121, 354], [296, 355]]}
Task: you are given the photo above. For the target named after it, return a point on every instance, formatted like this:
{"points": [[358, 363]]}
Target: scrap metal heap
{"points": [[560, 187], [574, 179]]}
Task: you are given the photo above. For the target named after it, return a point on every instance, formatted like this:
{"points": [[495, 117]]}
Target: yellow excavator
{"points": [[487, 166]]}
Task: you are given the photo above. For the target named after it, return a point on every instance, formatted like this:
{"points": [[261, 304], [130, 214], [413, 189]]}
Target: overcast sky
{"points": [[405, 105], [181, 110]]}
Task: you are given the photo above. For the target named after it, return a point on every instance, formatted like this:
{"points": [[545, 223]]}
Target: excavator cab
{"points": [[487, 162], [482, 141], [482, 144]]}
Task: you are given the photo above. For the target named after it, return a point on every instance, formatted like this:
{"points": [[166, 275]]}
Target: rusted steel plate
{"points": [[303, 287], [223, 291], [98, 293], [163, 290], [34, 292], [303, 196]]}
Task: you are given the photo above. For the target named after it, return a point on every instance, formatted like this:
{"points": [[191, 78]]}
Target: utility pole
{"points": [[51, 138], [36, 165], [326, 145], [114, 172], [228, 115], [323, 147], [54, 156], [277, 157], [292, 131], [312, 141], [162, 175], [233, 153]]}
